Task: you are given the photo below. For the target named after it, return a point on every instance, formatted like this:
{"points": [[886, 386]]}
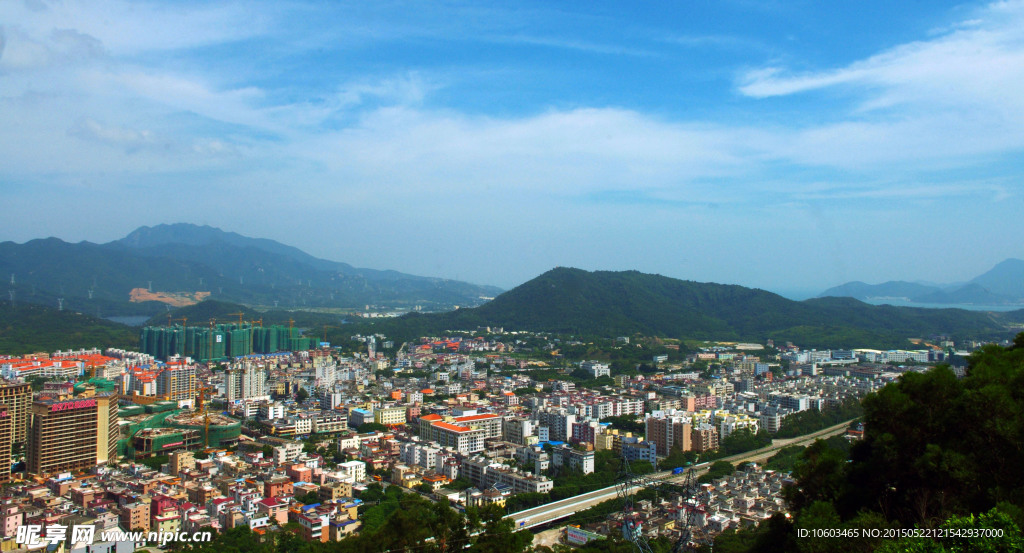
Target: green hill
{"points": [[574, 301], [29, 328]]}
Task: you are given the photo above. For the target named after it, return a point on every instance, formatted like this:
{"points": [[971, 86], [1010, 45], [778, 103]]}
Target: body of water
{"points": [[968, 306], [130, 320]]}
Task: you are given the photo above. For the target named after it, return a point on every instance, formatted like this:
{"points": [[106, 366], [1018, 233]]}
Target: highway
{"points": [[543, 514]]}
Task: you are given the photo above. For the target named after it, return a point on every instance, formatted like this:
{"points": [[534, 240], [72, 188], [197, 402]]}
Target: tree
{"points": [[717, 470], [679, 458], [626, 423], [302, 395], [423, 487], [581, 374], [308, 498], [371, 427], [497, 534]]}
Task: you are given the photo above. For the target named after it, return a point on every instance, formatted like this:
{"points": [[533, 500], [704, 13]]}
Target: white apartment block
{"points": [[460, 438], [246, 381], [559, 423], [271, 411], [328, 423], [354, 469], [516, 430], [582, 461], [287, 452], [488, 422], [596, 369], [484, 474], [420, 455]]}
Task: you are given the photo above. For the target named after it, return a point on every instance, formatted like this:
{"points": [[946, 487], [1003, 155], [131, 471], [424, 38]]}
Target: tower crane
{"points": [[201, 409], [240, 315], [184, 326], [325, 331], [213, 323]]}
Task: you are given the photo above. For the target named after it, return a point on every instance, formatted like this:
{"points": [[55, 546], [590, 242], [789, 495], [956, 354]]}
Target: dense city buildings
{"points": [[179, 443]]}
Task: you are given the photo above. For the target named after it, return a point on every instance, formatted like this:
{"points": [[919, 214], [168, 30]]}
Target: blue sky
{"points": [[790, 146]]}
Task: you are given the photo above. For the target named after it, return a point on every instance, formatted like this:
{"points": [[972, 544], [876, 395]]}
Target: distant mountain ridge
{"points": [[605, 303], [185, 258], [1000, 285]]}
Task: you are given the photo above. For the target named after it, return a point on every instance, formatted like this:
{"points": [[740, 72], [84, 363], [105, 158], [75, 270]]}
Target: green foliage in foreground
{"points": [[787, 458]]}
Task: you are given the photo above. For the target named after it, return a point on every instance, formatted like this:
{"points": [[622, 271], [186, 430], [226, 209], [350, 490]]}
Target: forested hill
{"points": [[608, 303], [31, 328]]}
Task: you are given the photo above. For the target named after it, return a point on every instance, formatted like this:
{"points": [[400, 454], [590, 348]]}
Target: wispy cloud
{"points": [[575, 44], [980, 64]]}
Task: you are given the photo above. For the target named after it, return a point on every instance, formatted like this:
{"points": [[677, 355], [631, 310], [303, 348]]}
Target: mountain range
{"points": [[154, 268], [604, 303], [576, 302], [1001, 285]]}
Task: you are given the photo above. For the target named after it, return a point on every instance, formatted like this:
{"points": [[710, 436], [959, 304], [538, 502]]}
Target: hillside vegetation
{"points": [[604, 303], [30, 328]]}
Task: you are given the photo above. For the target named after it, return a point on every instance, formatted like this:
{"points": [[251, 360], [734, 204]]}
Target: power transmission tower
{"points": [[632, 526], [693, 535]]}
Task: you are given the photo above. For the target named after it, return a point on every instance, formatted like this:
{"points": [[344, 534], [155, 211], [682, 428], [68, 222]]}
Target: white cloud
{"points": [[380, 138], [90, 129], [979, 65], [132, 27]]}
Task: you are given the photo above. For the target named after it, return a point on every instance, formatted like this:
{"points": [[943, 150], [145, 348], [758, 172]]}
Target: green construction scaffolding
{"points": [[219, 342]]}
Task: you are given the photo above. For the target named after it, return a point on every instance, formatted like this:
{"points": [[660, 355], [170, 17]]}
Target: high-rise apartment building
{"points": [[18, 399], [6, 441], [177, 381], [108, 428], [668, 433], [705, 438], [62, 436], [246, 382]]}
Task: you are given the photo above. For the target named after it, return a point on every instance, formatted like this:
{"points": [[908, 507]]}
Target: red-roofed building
{"points": [[489, 422], [462, 438], [274, 508], [23, 368]]}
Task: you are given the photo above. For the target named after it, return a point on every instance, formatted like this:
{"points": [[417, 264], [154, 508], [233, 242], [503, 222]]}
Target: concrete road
{"points": [[555, 510]]}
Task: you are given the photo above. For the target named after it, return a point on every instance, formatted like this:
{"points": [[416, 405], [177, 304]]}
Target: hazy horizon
{"points": [[788, 147]]}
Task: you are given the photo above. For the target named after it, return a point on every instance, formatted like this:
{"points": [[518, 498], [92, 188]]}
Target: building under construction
{"points": [[222, 430], [220, 341], [150, 442]]}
